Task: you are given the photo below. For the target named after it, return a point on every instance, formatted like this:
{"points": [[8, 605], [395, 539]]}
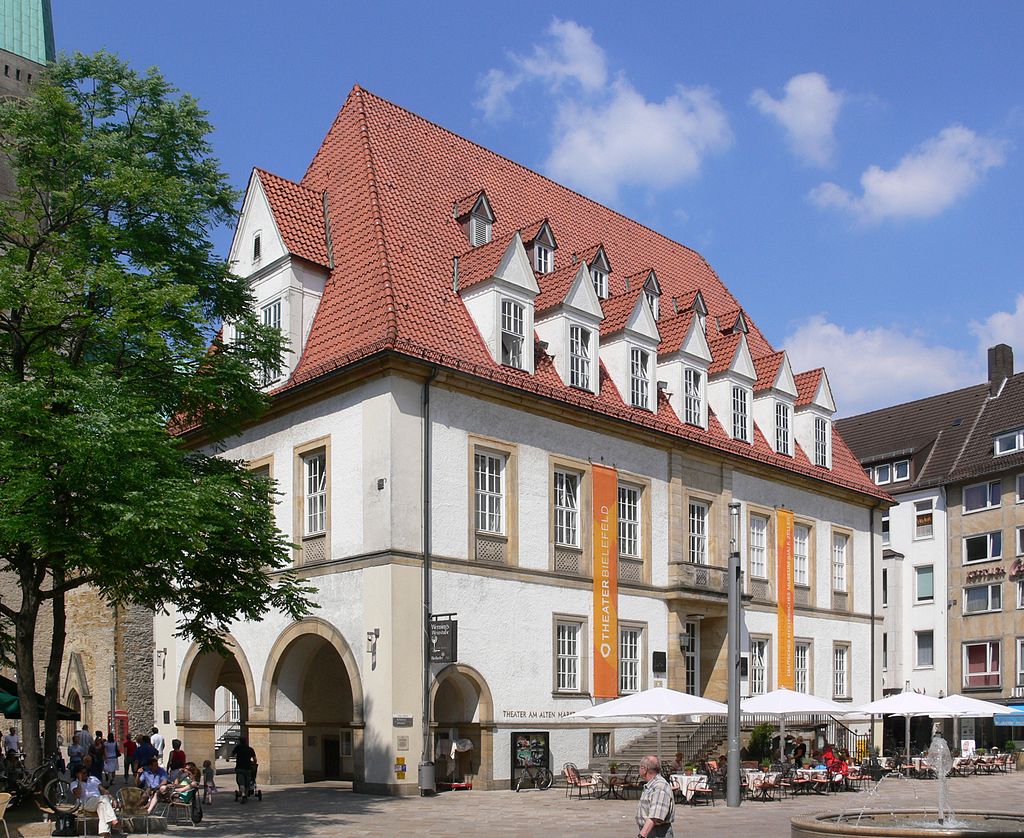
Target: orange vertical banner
{"points": [[784, 584], [606, 582]]}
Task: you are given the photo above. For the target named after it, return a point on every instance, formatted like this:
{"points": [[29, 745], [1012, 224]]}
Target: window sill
{"points": [[980, 509], [313, 535], [570, 695], [924, 538], [496, 535], [924, 668], [924, 601], [842, 698], [983, 613]]}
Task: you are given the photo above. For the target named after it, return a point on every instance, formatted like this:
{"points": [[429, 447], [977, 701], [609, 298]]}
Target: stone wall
{"points": [[135, 667]]}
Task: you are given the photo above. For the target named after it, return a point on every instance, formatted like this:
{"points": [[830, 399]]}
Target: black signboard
{"points": [[444, 641]]}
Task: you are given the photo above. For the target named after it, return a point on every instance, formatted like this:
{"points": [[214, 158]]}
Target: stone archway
{"points": [[461, 705], [73, 701]]}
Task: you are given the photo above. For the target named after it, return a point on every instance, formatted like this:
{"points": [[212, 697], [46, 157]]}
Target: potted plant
{"points": [[980, 752], [612, 766], [689, 769], [766, 764]]}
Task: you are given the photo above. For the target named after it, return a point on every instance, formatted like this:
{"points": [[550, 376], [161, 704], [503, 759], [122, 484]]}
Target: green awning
{"points": [[10, 707]]}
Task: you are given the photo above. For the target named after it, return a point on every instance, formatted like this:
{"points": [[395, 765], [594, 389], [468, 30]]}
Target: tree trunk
{"points": [[24, 633], [53, 667]]}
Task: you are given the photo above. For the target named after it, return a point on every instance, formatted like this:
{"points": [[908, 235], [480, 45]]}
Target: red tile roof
{"points": [[807, 385], [554, 286], [617, 310], [390, 176], [723, 350], [463, 206], [300, 217], [672, 330], [767, 369]]}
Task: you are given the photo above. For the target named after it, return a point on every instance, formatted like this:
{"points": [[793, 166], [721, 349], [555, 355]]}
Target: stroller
{"points": [[251, 790]]}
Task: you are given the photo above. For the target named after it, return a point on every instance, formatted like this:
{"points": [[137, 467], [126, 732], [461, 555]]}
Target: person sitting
{"points": [[144, 752], [677, 763], [96, 799], [154, 780], [799, 751]]}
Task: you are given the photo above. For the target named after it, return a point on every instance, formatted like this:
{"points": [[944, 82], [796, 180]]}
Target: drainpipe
{"points": [[871, 738], [426, 766]]}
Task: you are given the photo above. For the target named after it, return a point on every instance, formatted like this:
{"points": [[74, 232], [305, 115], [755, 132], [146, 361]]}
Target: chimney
{"points": [[1000, 366]]}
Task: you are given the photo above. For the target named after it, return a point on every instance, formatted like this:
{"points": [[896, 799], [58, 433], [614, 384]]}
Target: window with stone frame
{"points": [[698, 520], [568, 656]]}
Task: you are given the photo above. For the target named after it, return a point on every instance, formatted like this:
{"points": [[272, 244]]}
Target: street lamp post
{"points": [[733, 634]]}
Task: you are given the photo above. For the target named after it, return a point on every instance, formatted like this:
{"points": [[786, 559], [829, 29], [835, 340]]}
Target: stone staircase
{"points": [[673, 738]]}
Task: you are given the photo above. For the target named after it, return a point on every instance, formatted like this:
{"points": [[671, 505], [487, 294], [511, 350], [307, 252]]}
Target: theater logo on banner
{"points": [[606, 582], [784, 577]]}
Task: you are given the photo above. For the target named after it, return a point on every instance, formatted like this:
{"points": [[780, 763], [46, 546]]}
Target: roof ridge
{"points": [[968, 436], [979, 385], [289, 181]]}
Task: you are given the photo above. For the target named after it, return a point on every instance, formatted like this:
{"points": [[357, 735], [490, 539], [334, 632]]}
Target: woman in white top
{"points": [[94, 798]]}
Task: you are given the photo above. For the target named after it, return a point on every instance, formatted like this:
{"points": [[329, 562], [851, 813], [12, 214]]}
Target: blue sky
{"points": [[853, 171]]}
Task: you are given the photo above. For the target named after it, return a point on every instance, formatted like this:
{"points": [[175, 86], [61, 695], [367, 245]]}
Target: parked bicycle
{"points": [[23, 783], [537, 776]]}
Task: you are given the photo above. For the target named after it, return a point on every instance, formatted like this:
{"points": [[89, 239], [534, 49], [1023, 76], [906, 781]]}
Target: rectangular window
{"points": [[579, 357], [802, 667], [981, 548], [1020, 593], [924, 578], [698, 532], [600, 743], [1020, 541], [234, 710], [639, 378], [653, 299], [900, 470], [758, 666], [314, 468], [270, 314], [1009, 442], [983, 496], [981, 664], [885, 529], [693, 384], [600, 280], [924, 512], [512, 334], [543, 258], [885, 587], [801, 554], [782, 437], [758, 546], [690, 644], [840, 672], [839, 545], [1020, 488], [979, 599], [567, 508], [885, 651], [490, 492], [1020, 662], [883, 474], [925, 649], [567, 657], [629, 660], [739, 414], [629, 522], [821, 440]]}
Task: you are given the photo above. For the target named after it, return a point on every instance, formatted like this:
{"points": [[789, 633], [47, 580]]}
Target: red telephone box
{"points": [[118, 724]]}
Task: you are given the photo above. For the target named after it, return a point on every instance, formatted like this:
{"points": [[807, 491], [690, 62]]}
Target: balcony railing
{"points": [[703, 578]]}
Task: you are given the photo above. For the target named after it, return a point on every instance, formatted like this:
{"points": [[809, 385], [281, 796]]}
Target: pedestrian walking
{"points": [[128, 750], [111, 754], [656, 808], [156, 739]]}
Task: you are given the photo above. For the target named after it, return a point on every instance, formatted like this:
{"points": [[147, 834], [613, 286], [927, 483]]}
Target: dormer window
{"points": [[693, 384], [479, 230], [257, 246], [639, 378], [783, 421], [600, 279], [512, 334], [821, 442], [475, 215], [653, 299], [543, 258], [740, 414], [579, 357]]}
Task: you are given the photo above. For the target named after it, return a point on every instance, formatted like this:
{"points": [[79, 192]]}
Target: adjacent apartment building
{"points": [[952, 574], [533, 414]]}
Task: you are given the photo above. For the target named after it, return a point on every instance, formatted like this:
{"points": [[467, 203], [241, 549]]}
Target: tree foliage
{"points": [[110, 298]]}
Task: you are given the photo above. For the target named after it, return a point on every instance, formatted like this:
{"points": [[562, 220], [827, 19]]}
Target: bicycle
{"points": [[540, 776], [23, 783]]}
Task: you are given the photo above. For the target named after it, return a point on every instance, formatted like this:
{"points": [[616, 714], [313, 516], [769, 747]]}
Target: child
{"points": [[209, 784]]}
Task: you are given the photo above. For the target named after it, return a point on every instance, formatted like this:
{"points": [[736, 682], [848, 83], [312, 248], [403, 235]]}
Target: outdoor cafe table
{"points": [[614, 786], [688, 783]]}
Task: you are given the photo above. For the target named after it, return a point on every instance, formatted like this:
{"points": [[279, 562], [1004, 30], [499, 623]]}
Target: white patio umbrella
{"points": [[785, 702], [656, 704], [969, 707], [907, 704]]}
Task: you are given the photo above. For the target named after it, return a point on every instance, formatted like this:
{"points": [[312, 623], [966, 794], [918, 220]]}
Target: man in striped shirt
{"points": [[657, 807]]}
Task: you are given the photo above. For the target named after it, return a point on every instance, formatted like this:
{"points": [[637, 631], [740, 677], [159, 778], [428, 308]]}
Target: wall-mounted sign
{"points": [[1017, 568], [983, 573], [444, 641], [784, 580], [605, 487], [401, 721]]}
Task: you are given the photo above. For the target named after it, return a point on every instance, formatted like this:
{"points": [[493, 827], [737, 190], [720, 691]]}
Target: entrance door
{"points": [[332, 758]]}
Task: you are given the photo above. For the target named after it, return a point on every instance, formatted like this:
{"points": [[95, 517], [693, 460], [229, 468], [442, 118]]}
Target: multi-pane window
{"points": [[885, 529], [739, 414], [1020, 662], [758, 666], [567, 508], [802, 667], [924, 517], [579, 357], [629, 660], [758, 546], [234, 709], [600, 743], [782, 422], [983, 496], [981, 664], [600, 280], [543, 258], [925, 583], [982, 598], [840, 542], [924, 642], [314, 467], [567, 657], [490, 492], [841, 671], [512, 333], [270, 314], [801, 557], [691, 656], [479, 230], [693, 387], [1009, 442], [982, 547], [821, 439], [639, 378], [653, 299], [629, 522], [698, 515]]}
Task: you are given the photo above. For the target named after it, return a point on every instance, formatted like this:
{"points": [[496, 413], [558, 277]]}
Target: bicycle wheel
{"points": [[544, 778], [58, 794], [519, 782]]}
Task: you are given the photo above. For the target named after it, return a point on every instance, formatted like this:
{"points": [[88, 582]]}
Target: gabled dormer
{"points": [[600, 269], [498, 286], [733, 322], [281, 246], [813, 414], [683, 361], [652, 290], [539, 240], [476, 217], [569, 319], [774, 399], [629, 349], [731, 385]]}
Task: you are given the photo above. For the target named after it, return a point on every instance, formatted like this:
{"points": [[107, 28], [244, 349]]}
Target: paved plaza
{"points": [[330, 809]]}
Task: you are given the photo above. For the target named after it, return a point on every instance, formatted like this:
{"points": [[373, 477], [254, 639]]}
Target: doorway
{"points": [[332, 757]]}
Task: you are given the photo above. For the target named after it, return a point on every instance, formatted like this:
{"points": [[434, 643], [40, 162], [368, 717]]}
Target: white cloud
{"points": [[627, 140], [808, 112], [941, 171], [1003, 327]]}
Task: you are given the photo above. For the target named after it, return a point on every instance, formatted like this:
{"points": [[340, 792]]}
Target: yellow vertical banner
{"points": [[606, 582], [784, 585]]}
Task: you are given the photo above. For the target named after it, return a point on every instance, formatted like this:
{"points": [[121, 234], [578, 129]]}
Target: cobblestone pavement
{"points": [[328, 809]]}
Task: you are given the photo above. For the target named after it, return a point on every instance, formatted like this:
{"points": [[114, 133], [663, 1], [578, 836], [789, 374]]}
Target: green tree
{"points": [[110, 297]]}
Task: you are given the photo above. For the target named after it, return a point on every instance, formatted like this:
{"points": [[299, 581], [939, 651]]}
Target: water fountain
{"points": [[926, 823]]}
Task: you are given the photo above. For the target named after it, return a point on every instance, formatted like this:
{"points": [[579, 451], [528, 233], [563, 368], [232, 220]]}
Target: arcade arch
{"points": [[461, 709]]}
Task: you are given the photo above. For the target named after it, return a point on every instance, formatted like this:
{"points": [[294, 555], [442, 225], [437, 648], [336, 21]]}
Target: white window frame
{"points": [[513, 328], [989, 671], [993, 598], [802, 668], [1020, 662], [883, 474], [886, 529], [801, 558], [543, 258], [1020, 488], [580, 341], [896, 478], [489, 491], [479, 230], [690, 648], [740, 413], [1020, 593], [270, 315], [759, 661], [840, 671], [918, 636], [654, 301], [918, 570], [693, 396], [629, 521], [758, 547], [926, 531], [840, 549], [640, 377], [994, 542], [1013, 438], [697, 516], [234, 708], [1020, 541], [630, 656], [566, 486], [314, 493], [822, 442], [783, 428], [993, 491], [600, 280], [568, 656]]}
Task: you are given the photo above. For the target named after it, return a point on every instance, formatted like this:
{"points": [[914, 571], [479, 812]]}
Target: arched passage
{"points": [[462, 708]]}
